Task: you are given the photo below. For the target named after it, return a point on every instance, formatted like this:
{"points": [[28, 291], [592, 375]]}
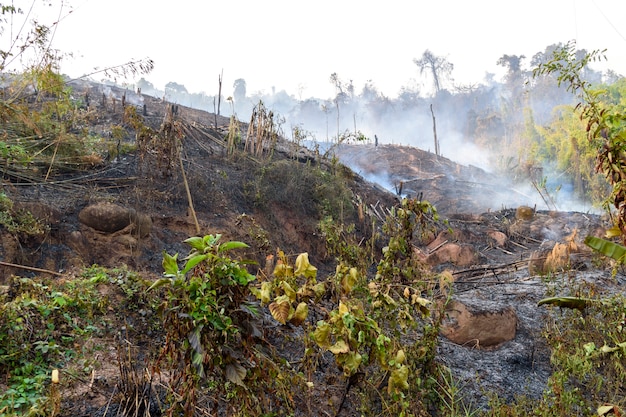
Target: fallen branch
{"points": [[31, 268]]}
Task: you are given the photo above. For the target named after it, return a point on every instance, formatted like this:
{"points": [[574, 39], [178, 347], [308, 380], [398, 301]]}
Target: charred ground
{"points": [[275, 201]]}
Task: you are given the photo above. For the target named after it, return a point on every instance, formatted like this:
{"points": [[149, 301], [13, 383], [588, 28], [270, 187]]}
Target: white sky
{"points": [[296, 44]]}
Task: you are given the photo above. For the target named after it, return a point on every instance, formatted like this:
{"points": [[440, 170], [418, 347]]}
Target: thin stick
{"points": [[31, 268], [193, 212]]}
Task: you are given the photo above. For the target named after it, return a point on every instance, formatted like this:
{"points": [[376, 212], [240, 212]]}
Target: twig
{"points": [[31, 268]]}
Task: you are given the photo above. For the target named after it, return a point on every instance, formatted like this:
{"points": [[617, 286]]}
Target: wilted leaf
{"points": [[266, 292], [197, 361], [235, 373], [342, 309], [350, 362], [303, 267], [348, 281], [422, 303], [606, 409], [321, 334], [398, 380], [339, 347], [319, 289], [407, 292], [373, 288], [289, 292], [170, 264], [302, 311], [280, 309], [400, 357], [304, 292], [282, 270]]}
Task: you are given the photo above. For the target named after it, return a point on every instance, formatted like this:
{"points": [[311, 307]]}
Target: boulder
{"points": [[470, 327]]}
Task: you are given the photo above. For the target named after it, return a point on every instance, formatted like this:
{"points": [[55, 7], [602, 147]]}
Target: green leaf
{"points": [[607, 248], [566, 302], [170, 264], [159, 283], [231, 245], [195, 260], [196, 243]]}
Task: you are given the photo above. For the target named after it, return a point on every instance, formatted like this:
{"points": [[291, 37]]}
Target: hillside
{"points": [[464, 293]]}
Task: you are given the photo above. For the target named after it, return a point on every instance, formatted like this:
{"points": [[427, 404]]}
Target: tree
{"points": [[175, 88], [239, 89], [513, 63], [605, 122], [439, 67]]}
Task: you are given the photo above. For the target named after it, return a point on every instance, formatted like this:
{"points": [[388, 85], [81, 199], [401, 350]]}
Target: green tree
{"points": [[604, 118]]}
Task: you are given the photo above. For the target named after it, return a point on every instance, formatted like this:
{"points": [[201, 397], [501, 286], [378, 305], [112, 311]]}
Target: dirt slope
{"points": [[277, 201]]}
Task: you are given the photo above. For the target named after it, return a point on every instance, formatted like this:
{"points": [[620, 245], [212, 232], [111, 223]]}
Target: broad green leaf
{"points": [[321, 334], [196, 243], [195, 260], [235, 373], [566, 302], [607, 248], [170, 264], [159, 283], [232, 245]]}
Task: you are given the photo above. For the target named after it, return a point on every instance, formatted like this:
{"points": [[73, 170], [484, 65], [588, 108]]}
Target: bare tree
{"points": [[439, 67]]}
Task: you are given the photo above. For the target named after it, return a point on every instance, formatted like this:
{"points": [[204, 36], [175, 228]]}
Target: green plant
{"points": [[199, 314], [605, 122], [38, 328], [19, 221]]}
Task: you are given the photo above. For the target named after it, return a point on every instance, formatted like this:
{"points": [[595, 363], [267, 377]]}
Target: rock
{"points": [[499, 237], [105, 217], [111, 218], [466, 326]]}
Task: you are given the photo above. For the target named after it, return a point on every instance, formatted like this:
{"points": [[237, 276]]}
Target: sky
{"points": [[296, 45]]}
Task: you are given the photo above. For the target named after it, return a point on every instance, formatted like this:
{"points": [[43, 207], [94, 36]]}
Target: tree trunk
{"points": [[435, 131]]}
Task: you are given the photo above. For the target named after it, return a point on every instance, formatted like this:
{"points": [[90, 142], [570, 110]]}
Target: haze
{"points": [[295, 46]]}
